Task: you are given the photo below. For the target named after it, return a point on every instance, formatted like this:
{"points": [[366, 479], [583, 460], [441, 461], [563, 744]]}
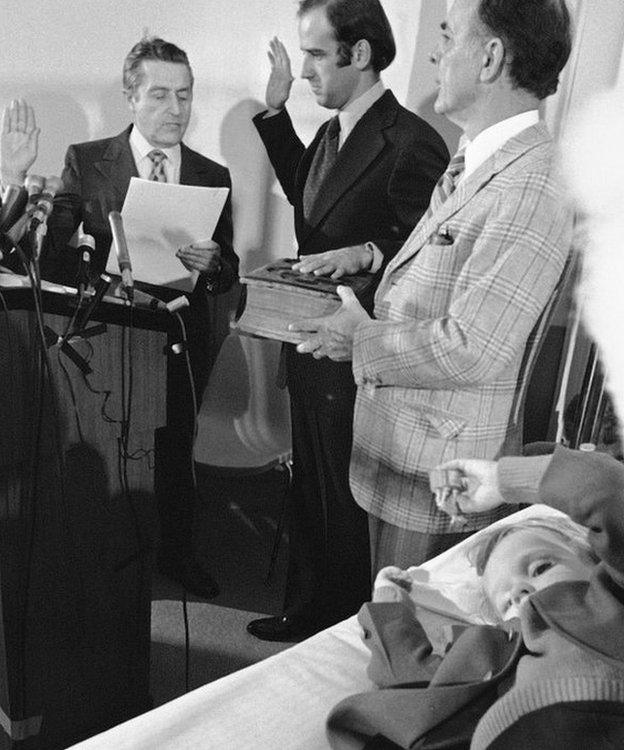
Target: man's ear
{"points": [[361, 54], [129, 97], [493, 62]]}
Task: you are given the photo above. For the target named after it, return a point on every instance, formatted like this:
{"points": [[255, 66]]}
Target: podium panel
{"points": [[77, 520]]}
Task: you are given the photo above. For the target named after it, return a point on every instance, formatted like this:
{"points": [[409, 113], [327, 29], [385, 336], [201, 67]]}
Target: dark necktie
{"points": [[322, 163], [448, 182], [158, 168]]}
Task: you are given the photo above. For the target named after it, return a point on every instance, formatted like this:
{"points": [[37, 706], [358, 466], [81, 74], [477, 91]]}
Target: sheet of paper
{"points": [[158, 218]]}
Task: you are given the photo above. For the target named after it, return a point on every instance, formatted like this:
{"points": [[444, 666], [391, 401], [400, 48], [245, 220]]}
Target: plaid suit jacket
{"points": [[438, 370]]}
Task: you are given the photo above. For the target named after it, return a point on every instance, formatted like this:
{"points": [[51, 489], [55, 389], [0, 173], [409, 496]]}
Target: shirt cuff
{"points": [[377, 257], [519, 477]]}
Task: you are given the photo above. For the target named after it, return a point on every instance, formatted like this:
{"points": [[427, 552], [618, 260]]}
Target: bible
{"points": [[275, 296]]}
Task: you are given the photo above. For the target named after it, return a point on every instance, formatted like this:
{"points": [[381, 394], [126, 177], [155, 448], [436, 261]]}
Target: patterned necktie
{"points": [[448, 182], [322, 163], [158, 168]]}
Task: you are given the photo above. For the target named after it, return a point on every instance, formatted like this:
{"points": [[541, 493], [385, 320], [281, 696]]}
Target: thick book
{"points": [[276, 296]]}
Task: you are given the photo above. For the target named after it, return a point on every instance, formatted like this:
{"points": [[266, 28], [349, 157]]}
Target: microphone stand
{"points": [[77, 328]]}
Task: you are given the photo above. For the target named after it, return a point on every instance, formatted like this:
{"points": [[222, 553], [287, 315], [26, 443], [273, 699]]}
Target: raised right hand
{"points": [[19, 140], [281, 78]]}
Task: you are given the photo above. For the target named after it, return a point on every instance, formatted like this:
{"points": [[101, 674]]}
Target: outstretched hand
{"points": [[332, 336], [475, 490], [280, 79], [19, 142], [344, 261]]}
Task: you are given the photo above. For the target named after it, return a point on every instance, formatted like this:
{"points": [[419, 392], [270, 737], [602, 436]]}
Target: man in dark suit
{"points": [[158, 85], [358, 190]]}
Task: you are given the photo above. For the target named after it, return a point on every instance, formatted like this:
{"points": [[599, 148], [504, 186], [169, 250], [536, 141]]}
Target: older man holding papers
{"points": [[158, 85]]}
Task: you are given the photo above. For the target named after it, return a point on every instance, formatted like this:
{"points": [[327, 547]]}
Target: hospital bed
{"points": [[281, 703]]}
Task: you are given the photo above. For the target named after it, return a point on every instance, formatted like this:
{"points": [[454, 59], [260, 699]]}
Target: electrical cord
{"points": [[72, 394], [191, 381], [29, 498], [126, 395], [187, 640]]}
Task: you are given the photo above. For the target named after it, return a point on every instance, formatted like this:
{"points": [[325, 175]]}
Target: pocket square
{"points": [[442, 237]]}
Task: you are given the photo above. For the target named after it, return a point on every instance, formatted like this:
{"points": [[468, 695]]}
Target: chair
{"points": [[537, 337], [244, 419]]}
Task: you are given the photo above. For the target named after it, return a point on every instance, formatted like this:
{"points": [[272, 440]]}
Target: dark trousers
{"points": [[329, 566], [177, 495]]}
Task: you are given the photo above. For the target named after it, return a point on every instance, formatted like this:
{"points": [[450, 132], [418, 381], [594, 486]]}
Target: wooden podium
{"points": [[77, 533]]}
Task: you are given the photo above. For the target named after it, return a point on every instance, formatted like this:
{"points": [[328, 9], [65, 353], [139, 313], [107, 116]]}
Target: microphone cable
{"points": [[123, 440], [184, 348], [43, 376]]}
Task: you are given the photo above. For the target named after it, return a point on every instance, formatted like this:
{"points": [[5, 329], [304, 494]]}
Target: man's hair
{"points": [[353, 20], [537, 38], [571, 533], [150, 48]]}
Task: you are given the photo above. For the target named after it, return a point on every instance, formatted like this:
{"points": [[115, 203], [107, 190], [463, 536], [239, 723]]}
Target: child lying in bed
{"points": [[557, 660], [517, 560]]}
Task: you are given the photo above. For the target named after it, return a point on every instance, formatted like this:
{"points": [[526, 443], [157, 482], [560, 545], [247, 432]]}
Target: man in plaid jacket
{"points": [[440, 368]]}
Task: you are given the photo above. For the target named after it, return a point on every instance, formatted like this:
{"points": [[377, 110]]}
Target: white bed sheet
{"points": [[277, 704], [281, 703]]}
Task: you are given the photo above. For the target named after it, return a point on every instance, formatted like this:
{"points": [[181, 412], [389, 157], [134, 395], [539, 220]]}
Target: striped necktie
{"points": [[448, 182], [158, 168], [323, 161]]}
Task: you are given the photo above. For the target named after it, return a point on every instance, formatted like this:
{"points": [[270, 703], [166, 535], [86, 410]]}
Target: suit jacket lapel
{"points": [[500, 159], [117, 165], [362, 147], [192, 171]]}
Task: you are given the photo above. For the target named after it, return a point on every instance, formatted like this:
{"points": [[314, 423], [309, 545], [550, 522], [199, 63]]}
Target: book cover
{"points": [[276, 296]]}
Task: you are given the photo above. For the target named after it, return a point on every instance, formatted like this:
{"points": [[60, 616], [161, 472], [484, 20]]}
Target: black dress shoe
{"points": [[288, 627], [189, 573]]}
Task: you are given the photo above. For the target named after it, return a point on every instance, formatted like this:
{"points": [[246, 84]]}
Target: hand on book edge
{"points": [[345, 261], [332, 336]]}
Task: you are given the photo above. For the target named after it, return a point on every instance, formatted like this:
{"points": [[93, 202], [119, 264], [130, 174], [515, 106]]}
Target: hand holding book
{"points": [[332, 336], [277, 295]]}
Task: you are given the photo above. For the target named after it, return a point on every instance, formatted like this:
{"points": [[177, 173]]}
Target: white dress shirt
{"points": [[491, 139], [140, 149], [355, 110]]}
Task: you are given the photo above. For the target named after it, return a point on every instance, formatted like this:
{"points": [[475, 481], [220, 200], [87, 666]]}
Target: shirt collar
{"points": [[356, 109], [491, 139], [141, 147]]}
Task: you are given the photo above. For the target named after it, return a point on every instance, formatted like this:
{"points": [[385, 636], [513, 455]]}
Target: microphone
{"points": [[149, 302], [101, 287], [34, 185], [121, 250], [44, 203], [86, 247], [15, 222], [14, 203]]}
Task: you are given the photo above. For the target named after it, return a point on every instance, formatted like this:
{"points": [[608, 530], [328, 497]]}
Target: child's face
{"points": [[526, 561]]}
